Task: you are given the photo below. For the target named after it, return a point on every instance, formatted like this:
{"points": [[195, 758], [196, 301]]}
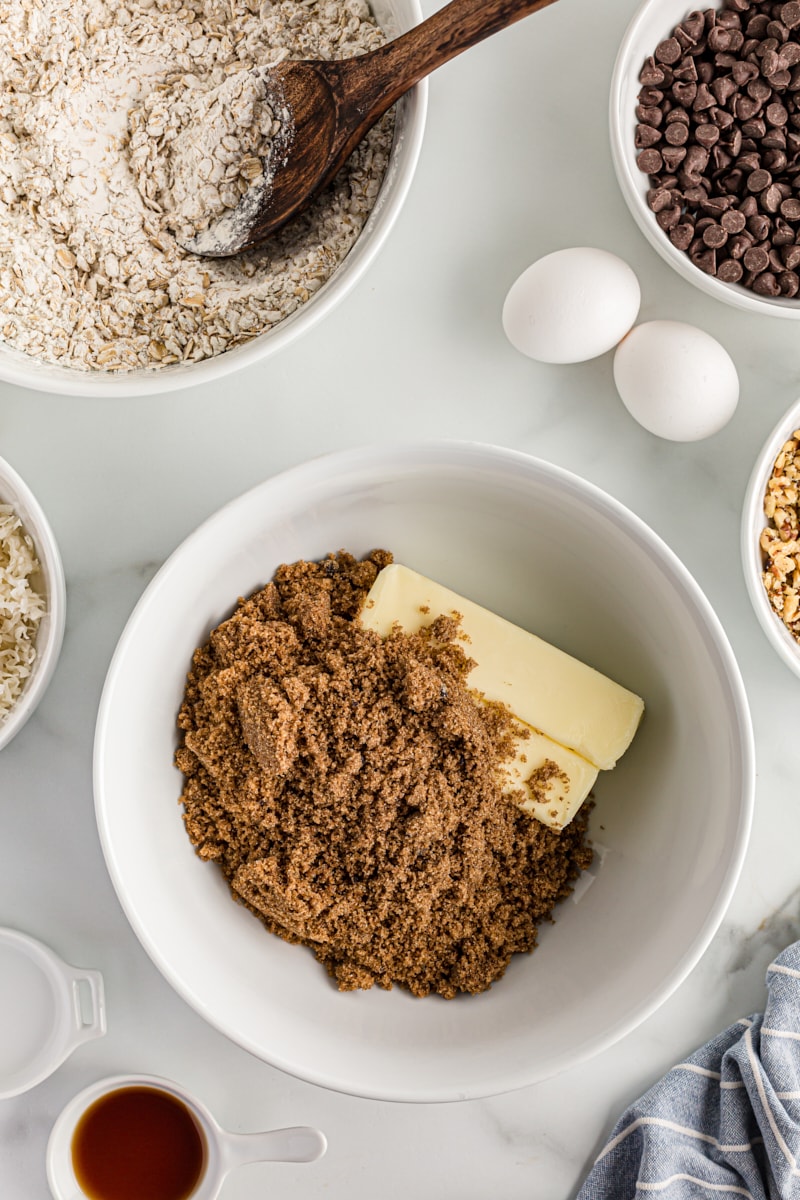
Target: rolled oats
{"points": [[780, 539], [102, 162]]}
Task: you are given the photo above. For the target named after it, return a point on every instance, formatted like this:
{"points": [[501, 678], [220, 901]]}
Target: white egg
{"points": [[676, 380], [571, 305]]}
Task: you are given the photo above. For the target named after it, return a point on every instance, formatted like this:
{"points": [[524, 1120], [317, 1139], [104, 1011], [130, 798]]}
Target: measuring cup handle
{"points": [[91, 1024], [299, 1143]]}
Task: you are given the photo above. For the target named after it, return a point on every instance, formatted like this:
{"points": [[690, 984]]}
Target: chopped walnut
{"points": [[780, 539]]}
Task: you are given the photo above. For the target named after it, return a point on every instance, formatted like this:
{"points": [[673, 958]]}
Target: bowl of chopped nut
{"points": [[32, 603], [365, 819], [139, 134], [705, 145], [770, 539]]}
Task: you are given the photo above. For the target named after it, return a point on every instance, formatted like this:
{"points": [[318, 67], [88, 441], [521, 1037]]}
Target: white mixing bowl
{"points": [[49, 582], [394, 17], [753, 522], [555, 555], [652, 23]]}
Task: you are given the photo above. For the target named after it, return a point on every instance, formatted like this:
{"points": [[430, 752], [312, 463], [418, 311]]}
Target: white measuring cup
{"points": [[223, 1151], [47, 1009]]}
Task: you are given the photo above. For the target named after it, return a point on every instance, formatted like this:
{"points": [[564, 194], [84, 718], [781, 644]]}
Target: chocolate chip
{"points": [[776, 114], [789, 54], [778, 31], [715, 237], [758, 225], [650, 161], [706, 261], [673, 156], [745, 107], [755, 128], [758, 180], [765, 284], [669, 217], [730, 271], [770, 199], [723, 88], [659, 198], [694, 26], [790, 209], [791, 257], [704, 98], [739, 245], [790, 14], [756, 27], [668, 51], [677, 133], [788, 283], [783, 234], [650, 114], [756, 259], [780, 79], [728, 19], [775, 139], [707, 135], [646, 136], [682, 235], [743, 72], [719, 39], [732, 221], [651, 74], [684, 93], [715, 206], [696, 160]]}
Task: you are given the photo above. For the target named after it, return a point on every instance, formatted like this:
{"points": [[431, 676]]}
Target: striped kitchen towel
{"points": [[724, 1123]]}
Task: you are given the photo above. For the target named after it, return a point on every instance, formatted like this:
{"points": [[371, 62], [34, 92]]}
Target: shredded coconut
{"points": [[21, 608], [91, 274]]}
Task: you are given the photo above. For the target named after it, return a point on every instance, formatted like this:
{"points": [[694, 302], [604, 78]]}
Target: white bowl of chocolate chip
{"points": [[96, 295], [705, 140], [557, 558]]}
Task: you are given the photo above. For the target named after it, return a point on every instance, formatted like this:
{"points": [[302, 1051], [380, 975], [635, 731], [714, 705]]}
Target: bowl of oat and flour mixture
{"points": [[121, 121]]}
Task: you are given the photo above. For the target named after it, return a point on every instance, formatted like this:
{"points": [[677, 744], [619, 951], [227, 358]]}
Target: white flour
{"points": [[91, 94], [199, 147]]}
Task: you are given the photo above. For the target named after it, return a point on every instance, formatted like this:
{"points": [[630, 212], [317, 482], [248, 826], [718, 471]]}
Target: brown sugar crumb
{"points": [[348, 789]]}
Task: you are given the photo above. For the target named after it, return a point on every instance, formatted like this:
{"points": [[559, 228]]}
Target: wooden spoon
{"points": [[334, 104]]}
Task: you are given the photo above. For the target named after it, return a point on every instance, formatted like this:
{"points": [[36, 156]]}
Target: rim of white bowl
{"points": [[629, 178], [409, 456], [753, 521], [25, 371], [15, 491]]}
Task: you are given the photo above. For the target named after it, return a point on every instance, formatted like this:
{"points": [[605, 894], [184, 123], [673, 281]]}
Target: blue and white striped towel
{"points": [[725, 1123]]}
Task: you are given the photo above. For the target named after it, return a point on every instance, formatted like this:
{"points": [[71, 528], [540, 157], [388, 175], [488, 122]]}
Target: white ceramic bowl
{"points": [[753, 522], [654, 21], [394, 17], [557, 556], [50, 583]]}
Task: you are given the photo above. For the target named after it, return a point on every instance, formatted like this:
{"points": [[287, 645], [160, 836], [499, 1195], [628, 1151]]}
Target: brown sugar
{"points": [[347, 787]]}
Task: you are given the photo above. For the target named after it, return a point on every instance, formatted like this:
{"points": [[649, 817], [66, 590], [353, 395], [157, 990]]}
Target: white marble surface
{"points": [[515, 164]]}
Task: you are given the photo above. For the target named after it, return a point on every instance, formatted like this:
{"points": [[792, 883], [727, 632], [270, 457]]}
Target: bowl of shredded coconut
{"points": [[32, 603], [125, 131]]}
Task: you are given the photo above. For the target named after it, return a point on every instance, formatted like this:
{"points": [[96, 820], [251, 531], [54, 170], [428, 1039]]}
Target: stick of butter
{"points": [[553, 780], [579, 720]]}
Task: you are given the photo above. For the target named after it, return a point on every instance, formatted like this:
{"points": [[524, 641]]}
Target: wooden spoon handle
{"points": [[381, 77]]}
